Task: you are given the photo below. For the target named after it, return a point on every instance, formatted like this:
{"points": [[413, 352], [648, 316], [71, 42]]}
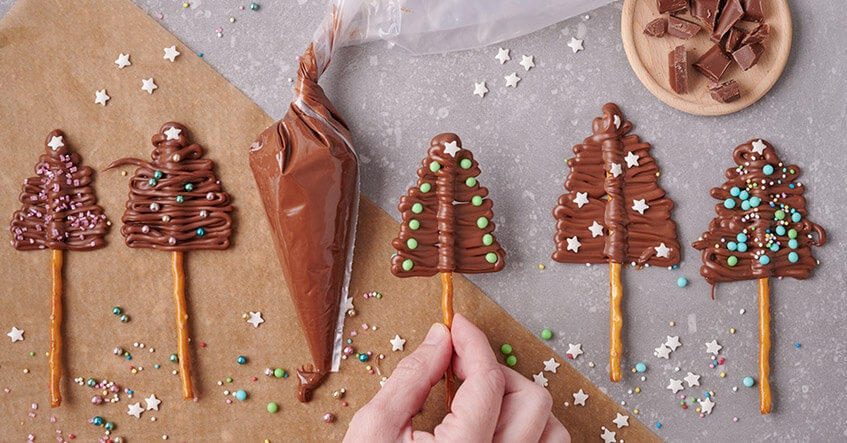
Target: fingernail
{"points": [[436, 334]]}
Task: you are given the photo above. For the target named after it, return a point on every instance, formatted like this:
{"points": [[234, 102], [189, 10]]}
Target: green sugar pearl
{"points": [[546, 334], [476, 200], [414, 224], [273, 407], [417, 208], [491, 258], [408, 265], [506, 349], [466, 163], [470, 182], [511, 361], [434, 167], [411, 243], [482, 223], [426, 187], [487, 239], [732, 260]]}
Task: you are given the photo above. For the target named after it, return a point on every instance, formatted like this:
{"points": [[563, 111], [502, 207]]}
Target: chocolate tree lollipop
{"points": [[59, 212], [614, 212], [176, 203], [446, 225], [761, 231]]}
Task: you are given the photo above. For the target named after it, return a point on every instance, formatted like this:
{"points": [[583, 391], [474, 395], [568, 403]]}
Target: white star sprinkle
{"points": [[255, 317], [148, 85], [152, 402], [451, 148], [580, 397], [581, 199], [528, 62], [706, 406], [171, 53], [397, 343], [759, 147], [621, 420], [617, 121], [615, 169], [692, 379], [576, 45], [56, 142], [503, 55], [640, 206], [608, 436], [574, 244], [713, 347], [512, 80], [662, 352], [596, 229], [673, 342], [135, 410], [631, 159], [540, 379], [100, 97], [123, 61], [551, 365], [675, 386], [173, 133], [661, 250], [574, 350], [16, 334], [348, 303], [480, 89]]}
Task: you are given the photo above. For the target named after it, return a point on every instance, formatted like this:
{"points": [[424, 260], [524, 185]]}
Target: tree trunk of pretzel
{"points": [[447, 308], [182, 325], [56, 261], [764, 346], [615, 321]]}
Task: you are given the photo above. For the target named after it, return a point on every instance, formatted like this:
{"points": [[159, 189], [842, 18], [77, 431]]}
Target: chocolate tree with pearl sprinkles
{"points": [[59, 212], [614, 212], [176, 203], [761, 231], [446, 225]]}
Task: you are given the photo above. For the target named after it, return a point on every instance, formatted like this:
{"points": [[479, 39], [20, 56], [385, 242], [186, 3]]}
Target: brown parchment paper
{"points": [[54, 55]]}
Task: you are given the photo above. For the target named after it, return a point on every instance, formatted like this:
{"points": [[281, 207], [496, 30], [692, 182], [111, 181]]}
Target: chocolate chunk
{"points": [[759, 35], [678, 69], [671, 5], [753, 11], [706, 11], [713, 63], [748, 55], [734, 38], [725, 92], [656, 28], [680, 28], [729, 15]]}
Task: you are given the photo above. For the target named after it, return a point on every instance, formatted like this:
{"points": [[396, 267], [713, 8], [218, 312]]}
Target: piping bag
{"points": [[305, 165]]}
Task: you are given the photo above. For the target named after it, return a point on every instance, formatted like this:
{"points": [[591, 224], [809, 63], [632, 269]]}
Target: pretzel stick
{"points": [[764, 346], [56, 261], [181, 325], [615, 321], [447, 308]]}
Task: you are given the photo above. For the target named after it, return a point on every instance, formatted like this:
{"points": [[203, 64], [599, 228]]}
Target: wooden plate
{"points": [[648, 57]]}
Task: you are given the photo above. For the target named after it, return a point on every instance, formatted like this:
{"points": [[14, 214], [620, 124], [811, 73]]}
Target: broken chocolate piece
{"points": [[706, 11], [753, 11], [733, 39], [713, 63], [678, 69], [656, 28], [759, 35], [725, 92], [729, 16], [748, 55], [671, 5], [680, 28]]}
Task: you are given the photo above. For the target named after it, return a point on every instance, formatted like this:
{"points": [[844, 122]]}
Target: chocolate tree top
{"points": [[59, 209], [761, 229], [447, 223], [614, 211], [176, 202]]}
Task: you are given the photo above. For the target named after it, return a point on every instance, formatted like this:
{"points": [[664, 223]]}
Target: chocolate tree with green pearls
{"points": [[761, 231]]}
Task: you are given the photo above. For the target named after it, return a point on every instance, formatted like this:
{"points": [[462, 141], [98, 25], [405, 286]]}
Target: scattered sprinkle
{"points": [[503, 55], [713, 347], [574, 350], [546, 334], [171, 53], [540, 379], [148, 85], [480, 89], [551, 365], [16, 334], [621, 420], [135, 410], [397, 343], [749, 382], [123, 61], [682, 282], [575, 45], [528, 62], [256, 319], [512, 80], [675, 385], [580, 397]]}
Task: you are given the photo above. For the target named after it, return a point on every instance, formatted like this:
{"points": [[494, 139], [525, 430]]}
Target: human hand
{"points": [[493, 403]]}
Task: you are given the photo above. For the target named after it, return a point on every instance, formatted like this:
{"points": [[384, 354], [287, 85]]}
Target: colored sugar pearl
{"points": [[546, 334], [743, 195], [741, 237], [506, 349], [487, 239], [158, 175], [124, 318], [796, 217], [189, 187], [793, 257], [417, 208], [434, 167], [729, 203], [180, 199], [426, 187], [241, 359], [749, 382], [116, 310], [764, 259], [174, 358], [735, 191], [755, 201], [482, 223], [408, 265], [491, 258], [476, 200], [241, 395], [792, 233], [511, 361], [732, 246], [200, 232], [254, 6], [363, 357], [780, 230], [273, 407], [793, 243], [466, 163], [470, 182], [640, 367], [682, 282], [414, 224], [732, 260], [779, 214], [411, 243], [767, 169], [742, 247], [279, 372]]}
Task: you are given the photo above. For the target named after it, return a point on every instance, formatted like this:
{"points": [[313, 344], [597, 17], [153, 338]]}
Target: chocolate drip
{"points": [[59, 209], [176, 202], [447, 223], [612, 174], [761, 223]]}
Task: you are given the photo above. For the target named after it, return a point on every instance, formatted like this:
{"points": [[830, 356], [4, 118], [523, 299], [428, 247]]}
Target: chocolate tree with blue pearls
{"points": [[761, 231]]}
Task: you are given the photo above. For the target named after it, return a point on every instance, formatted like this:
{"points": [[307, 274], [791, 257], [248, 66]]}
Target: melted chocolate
{"points": [[59, 209], [447, 223], [307, 174], [612, 178], [176, 202], [762, 210]]}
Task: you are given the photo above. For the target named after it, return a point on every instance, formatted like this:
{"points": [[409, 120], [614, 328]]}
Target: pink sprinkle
{"points": [[353, 333], [364, 326], [35, 406], [160, 16]]}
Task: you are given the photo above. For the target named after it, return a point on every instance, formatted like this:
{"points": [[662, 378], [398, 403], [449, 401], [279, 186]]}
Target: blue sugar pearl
{"points": [[748, 382], [200, 232], [780, 230], [741, 237], [658, 426], [791, 186], [180, 199], [796, 217], [744, 195], [764, 259], [732, 246], [793, 243], [797, 345], [189, 187], [241, 359], [241, 395], [158, 174], [745, 205], [130, 391], [363, 357], [97, 420], [729, 203], [742, 247], [793, 257], [682, 282], [767, 169], [152, 182], [774, 247], [640, 367], [735, 191], [755, 202]]}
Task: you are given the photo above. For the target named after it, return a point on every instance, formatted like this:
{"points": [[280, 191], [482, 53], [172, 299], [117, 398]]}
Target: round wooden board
{"points": [[648, 57]]}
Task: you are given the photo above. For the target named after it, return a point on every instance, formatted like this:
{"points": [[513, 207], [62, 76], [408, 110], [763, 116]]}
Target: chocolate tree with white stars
{"points": [[614, 212], [761, 231], [59, 212], [447, 224]]}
